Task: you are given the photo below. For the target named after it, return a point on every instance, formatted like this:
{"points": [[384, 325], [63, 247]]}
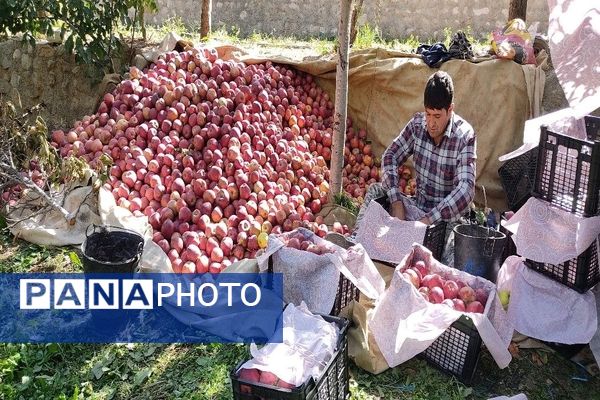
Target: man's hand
{"points": [[397, 210]]}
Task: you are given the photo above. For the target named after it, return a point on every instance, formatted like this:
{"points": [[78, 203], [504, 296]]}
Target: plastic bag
{"points": [[514, 42], [543, 309], [386, 238], [309, 342]]}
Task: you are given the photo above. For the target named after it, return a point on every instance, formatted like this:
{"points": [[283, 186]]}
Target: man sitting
{"points": [[443, 146]]}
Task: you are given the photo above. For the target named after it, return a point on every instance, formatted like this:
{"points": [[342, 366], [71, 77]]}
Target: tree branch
{"points": [[11, 173]]}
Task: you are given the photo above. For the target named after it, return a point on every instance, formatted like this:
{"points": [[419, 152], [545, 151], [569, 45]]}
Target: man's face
{"points": [[437, 120]]}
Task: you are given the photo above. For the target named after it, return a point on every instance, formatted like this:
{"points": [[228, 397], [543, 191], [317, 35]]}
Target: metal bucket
{"points": [[478, 250], [110, 249]]}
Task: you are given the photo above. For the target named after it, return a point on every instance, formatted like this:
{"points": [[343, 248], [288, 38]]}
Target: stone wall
{"points": [[45, 74], [395, 18]]}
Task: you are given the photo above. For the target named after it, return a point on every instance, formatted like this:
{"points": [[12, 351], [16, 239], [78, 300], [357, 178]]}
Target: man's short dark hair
{"points": [[439, 91]]}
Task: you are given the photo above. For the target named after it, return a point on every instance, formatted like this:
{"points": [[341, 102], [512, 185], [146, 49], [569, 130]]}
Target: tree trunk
{"points": [[143, 24], [341, 99], [205, 20], [517, 9], [355, 14]]}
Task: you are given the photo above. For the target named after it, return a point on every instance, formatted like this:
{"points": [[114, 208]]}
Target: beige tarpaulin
{"points": [[385, 88]]}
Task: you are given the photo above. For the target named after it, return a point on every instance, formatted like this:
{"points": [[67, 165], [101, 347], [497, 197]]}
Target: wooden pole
{"points": [[205, 19], [341, 99], [517, 9]]}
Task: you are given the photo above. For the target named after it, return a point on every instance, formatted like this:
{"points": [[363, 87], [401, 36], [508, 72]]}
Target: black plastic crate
{"points": [[517, 177], [435, 235], [332, 385], [457, 350], [568, 171], [435, 239], [346, 291], [581, 273], [510, 249]]}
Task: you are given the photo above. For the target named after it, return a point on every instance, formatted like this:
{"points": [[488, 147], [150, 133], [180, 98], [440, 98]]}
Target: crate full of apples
{"points": [[311, 269], [457, 350], [331, 383]]}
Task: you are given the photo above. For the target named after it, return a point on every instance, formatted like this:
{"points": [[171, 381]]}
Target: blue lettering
{"points": [[70, 296], [141, 296], [41, 290], [109, 297]]}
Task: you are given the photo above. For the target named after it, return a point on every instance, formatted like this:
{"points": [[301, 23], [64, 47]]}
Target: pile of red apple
{"points": [[214, 153], [408, 184], [362, 168], [35, 173], [254, 375], [452, 292], [300, 241]]}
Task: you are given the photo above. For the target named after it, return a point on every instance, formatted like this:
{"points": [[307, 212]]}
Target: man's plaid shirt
{"points": [[445, 173]]}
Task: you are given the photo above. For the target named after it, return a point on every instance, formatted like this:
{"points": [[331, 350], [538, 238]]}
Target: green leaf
{"points": [[69, 44], [150, 351], [97, 370], [203, 361], [52, 348], [75, 260], [466, 392], [141, 376]]}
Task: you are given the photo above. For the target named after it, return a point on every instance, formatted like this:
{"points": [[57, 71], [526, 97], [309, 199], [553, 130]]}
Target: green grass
{"points": [[178, 371], [176, 25], [344, 200], [21, 256], [368, 36], [117, 371]]}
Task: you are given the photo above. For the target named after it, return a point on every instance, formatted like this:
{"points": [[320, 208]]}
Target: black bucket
{"points": [[478, 250], [109, 249]]}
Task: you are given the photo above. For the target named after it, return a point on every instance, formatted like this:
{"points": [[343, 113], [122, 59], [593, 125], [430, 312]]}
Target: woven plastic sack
{"points": [[314, 278]]}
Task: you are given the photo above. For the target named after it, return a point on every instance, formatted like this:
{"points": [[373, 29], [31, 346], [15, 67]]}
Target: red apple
{"points": [[412, 277], [475, 307], [418, 274], [249, 375], [436, 295], [481, 295], [459, 305], [432, 280], [466, 294], [422, 267], [268, 378], [450, 289]]}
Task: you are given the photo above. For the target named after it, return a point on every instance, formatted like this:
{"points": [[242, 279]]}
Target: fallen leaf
{"points": [[141, 376], [539, 359], [513, 349]]}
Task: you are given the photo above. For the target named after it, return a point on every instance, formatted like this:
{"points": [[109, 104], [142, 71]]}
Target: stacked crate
{"points": [[567, 175]]}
